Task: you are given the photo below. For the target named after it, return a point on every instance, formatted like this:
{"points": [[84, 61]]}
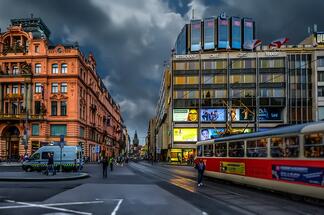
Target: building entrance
{"points": [[11, 136]]}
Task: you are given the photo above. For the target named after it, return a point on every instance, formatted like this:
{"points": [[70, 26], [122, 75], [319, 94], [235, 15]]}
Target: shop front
{"points": [[182, 156]]}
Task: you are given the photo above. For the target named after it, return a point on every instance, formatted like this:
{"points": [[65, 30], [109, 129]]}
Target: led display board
{"points": [[240, 114], [195, 43], [223, 35], [269, 114], [242, 130], [209, 33], [212, 115], [210, 133], [248, 33], [184, 134], [185, 115], [236, 41]]}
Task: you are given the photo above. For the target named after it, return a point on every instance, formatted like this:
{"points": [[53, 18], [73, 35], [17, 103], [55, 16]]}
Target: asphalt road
{"points": [[140, 188]]}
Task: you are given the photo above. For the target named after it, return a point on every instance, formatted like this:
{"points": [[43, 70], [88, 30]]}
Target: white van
{"points": [[72, 158]]}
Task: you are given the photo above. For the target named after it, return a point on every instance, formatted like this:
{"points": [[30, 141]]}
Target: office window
{"points": [[15, 70], [321, 91], [38, 88], [35, 129], [54, 87], [22, 89], [220, 93], [321, 113], [64, 68], [320, 77], [38, 68], [220, 79], [180, 80], [82, 132], [37, 107], [15, 89], [63, 108], [278, 92], [63, 87], [320, 61], [54, 68], [192, 80], [58, 130], [193, 65], [208, 79], [54, 108]]}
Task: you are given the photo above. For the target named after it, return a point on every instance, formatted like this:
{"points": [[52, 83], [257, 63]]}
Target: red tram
{"points": [[288, 159]]}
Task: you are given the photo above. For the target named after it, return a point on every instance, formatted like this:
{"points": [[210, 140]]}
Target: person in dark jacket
{"points": [[200, 166], [104, 162], [50, 164]]}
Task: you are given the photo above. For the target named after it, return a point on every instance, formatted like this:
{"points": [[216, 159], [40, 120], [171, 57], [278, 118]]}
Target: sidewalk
{"points": [[4, 163], [38, 176]]}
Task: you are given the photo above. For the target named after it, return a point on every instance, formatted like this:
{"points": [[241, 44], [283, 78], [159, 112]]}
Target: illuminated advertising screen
{"points": [[236, 33], [195, 35], [240, 114], [209, 33], [248, 32], [269, 114], [212, 115], [184, 134], [210, 133], [185, 115], [223, 37], [242, 130]]}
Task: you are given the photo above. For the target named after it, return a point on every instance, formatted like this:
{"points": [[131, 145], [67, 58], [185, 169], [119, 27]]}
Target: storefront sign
{"points": [[185, 115], [307, 175], [232, 168]]}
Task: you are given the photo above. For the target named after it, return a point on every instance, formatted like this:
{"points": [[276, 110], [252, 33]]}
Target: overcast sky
{"points": [[131, 39]]}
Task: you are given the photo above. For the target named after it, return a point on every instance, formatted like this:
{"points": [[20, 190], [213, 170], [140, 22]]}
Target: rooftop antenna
{"points": [[193, 13]]}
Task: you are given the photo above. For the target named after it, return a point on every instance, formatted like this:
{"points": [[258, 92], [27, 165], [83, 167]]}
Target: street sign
{"points": [[97, 149]]}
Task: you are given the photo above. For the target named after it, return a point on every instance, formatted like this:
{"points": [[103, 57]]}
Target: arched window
{"points": [[54, 68], [64, 68]]}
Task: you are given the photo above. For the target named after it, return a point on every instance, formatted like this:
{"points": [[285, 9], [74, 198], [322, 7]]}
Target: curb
{"points": [[83, 175]]}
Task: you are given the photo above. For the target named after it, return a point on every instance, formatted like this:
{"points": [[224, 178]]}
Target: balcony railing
{"points": [[14, 96], [14, 49], [21, 116]]}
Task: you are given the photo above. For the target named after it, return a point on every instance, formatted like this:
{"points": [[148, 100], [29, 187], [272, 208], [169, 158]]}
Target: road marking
{"points": [[117, 207], [49, 206]]}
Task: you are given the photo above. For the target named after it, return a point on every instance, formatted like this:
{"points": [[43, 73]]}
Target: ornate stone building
{"points": [[52, 90]]}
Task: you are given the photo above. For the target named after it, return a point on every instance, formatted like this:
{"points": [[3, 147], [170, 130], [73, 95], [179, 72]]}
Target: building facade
{"points": [[52, 91], [223, 89]]}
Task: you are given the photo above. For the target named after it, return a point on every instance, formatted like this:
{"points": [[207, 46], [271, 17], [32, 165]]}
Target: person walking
{"points": [[200, 166], [111, 163], [104, 162], [50, 164]]}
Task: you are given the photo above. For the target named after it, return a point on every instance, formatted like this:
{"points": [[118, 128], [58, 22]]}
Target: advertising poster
{"points": [[185, 134], [209, 33], [307, 175], [269, 114], [236, 33], [223, 34], [210, 133], [185, 115], [212, 115], [242, 130], [195, 35], [232, 168], [241, 114]]}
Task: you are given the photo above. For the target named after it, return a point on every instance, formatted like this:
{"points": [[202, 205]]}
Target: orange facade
{"points": [[51, 90]]}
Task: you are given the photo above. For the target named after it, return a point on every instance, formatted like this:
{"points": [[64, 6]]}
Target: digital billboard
{"points": [[212, 115], [210, 133], [242, 130], [223, 37], [195, 35], [184, 134], [248, 33], [185, 115], [269, 114], [240, 114], [236, 42], [209, 33]]}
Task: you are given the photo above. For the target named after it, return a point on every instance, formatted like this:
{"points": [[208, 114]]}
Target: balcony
{"points": [[14, 49], [14, 96], [21, 116]]}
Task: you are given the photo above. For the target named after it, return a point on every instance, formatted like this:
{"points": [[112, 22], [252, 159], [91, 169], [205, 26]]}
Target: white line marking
{"points": [[117, 207], [48, 207]]}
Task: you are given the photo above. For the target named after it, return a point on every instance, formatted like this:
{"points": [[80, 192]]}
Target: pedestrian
{"points": [[111, 163], [104, 162], [200, 166], [50, 164]]}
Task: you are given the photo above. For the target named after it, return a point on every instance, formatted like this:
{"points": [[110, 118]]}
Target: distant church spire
{"points": [[135, 139]]}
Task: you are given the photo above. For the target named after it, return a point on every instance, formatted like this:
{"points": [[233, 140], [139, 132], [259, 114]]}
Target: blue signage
{"points": [[195, 35], [209, 33], [223, 34], [236, 33], [308, 175], [269, 114]]}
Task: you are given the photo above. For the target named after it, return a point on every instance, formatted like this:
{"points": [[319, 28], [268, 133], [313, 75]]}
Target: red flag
{"points": [[278, 43], [252, 44]]}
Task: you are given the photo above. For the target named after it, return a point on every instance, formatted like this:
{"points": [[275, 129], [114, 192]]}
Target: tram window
{"points": [[199, 151], [236, 149], [208, 150], [314, 145], [220, 150], [257, 148], [285, 147]]}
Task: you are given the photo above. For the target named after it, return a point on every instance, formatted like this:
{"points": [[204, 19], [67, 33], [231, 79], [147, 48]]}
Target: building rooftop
{"points": [[34, 25]]}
